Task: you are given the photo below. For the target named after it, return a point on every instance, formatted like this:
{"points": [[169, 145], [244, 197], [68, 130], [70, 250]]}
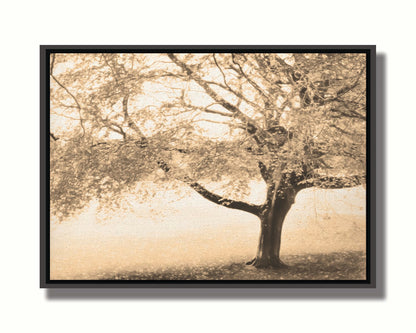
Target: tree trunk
{"points": [[268, 251]]}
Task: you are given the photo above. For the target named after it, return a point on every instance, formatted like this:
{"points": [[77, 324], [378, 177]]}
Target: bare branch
{"points": [[220, 100], [215, 198], [219, 200], [220, 122], [222, 72], [221, 113], [53, 136], [260, 135], [252, 83], [350, 114], [69, 93], [65, 116]]}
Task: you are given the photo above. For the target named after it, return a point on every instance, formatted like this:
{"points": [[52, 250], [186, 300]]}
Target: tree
{"points": [[292, 120]]}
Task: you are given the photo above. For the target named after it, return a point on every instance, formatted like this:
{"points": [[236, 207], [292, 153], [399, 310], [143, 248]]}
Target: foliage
{"points": [[116, 119]]}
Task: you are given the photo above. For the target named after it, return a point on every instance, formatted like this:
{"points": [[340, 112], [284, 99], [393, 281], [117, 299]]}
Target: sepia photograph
{"points": [[209, 165]]}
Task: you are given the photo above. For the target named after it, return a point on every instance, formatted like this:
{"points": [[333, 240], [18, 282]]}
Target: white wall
{"points": [[26, 24]]}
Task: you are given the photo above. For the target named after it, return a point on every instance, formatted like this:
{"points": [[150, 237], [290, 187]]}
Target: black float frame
{"points": [[46, 282]]}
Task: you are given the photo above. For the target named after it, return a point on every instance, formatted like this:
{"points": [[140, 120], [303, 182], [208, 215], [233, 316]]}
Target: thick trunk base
{"points": [[268, 250], [267, 263]]}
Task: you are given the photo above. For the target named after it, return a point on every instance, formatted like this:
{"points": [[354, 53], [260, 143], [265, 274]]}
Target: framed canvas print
{"points": [[207, 166]]}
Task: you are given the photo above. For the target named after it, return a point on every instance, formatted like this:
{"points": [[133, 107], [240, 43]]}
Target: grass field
{"points": [[331, 266], [323, 238]]}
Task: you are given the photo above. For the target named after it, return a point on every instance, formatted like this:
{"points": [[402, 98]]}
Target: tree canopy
{"points": [[118, 119]]}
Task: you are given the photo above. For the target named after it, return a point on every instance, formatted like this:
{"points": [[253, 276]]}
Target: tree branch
{"points": [[53, 136], [264, 171], [220, 122], [215, 198], [261, 136], [343, 91], [252, 83], [221, 113], [219, 200], [222, 72], [348, 112], [211, 93], [69, 93], [343, 131], [351, 86], [128, 119], [332, 182]]}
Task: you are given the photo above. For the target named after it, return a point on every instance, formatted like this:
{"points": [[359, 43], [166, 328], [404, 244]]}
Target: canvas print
{"points": [[207, 166]]}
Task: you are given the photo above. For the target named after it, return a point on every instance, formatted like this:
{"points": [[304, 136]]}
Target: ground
{"points": [[324, 237], [332, 266]]}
